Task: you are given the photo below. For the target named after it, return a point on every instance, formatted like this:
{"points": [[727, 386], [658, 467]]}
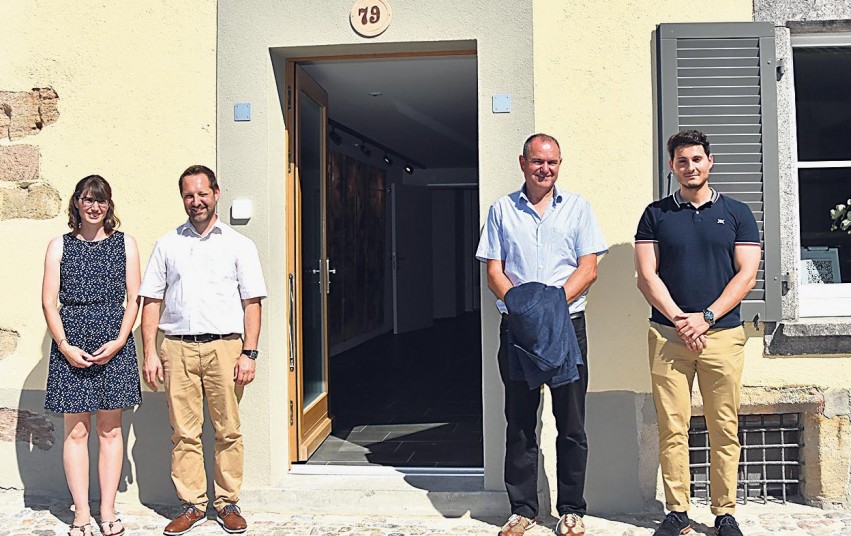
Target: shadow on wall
{"points": [[38, 443], [152, 453], [617, 317], [39, 439], [622, 459]]}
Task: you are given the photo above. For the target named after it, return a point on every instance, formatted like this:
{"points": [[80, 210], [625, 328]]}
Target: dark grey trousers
{"points": [[521, 442]]}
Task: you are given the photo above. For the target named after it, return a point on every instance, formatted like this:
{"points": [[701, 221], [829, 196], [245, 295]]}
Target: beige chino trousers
{"points": [[719, 376], [194, 371]]}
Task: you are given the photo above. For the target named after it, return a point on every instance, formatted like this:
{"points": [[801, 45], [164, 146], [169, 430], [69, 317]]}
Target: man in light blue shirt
{"points": [[543, 234]]}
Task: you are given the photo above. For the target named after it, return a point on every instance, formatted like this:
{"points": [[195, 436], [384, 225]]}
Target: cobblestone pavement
{"points": [[50, 518]]}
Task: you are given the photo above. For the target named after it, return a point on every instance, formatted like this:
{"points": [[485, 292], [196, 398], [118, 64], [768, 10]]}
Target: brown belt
{"points": [[203, 337]]}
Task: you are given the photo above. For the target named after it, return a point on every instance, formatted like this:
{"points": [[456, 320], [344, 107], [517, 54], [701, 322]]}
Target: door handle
{"points": [[292, 322], [329, 271], [319, 271]]}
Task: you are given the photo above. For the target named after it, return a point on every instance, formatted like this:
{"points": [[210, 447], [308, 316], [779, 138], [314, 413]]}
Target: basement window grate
{"points": [[769, 464]]}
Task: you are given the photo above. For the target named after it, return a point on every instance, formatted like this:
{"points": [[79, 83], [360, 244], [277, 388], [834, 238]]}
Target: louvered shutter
{"points": [[719, 78]]}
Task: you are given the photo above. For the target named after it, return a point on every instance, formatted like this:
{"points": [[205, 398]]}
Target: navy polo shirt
{"points": [[696, 247]]}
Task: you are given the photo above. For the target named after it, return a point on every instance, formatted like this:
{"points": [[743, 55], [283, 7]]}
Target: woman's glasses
{"points": [[88, 202]]}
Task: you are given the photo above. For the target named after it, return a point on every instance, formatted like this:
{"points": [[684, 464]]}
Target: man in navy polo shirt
{"points": [[696, 253]]}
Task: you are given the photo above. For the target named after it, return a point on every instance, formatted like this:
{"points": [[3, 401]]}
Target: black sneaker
{"points": [[675, 524], [726, 525]]}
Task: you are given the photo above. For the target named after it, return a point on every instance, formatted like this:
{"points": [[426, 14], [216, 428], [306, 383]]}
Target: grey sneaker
{"points": [[675, 524], [726, 525], [570, 525], [516, 525]]}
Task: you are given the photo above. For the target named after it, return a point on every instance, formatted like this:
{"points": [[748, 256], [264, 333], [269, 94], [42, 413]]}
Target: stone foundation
{"points": [[826, 445], [27, 427], [8, 342]]}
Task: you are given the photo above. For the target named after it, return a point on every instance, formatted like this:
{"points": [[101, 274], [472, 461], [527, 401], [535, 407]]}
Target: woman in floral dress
{"points": [[89, 274]]}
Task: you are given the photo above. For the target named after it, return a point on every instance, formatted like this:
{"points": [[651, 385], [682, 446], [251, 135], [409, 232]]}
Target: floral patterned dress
{"points": [[92, 292]]}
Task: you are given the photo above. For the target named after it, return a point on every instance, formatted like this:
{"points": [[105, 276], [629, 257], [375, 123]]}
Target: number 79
{"points": [[369, 15]]}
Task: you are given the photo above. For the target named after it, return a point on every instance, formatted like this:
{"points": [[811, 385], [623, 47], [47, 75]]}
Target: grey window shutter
{"points": [[720, 78]]}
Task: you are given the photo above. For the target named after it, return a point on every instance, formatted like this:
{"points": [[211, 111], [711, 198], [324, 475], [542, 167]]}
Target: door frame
{"points": [[292, 209], [308, 426]]}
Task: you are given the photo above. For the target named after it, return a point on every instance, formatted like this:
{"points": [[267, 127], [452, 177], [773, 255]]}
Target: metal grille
{"points": [[769, 465]]}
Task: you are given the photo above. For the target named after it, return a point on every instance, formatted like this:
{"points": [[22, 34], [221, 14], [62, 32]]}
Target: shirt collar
{"points": [[678, 199], [557, 197], [187, 229]]}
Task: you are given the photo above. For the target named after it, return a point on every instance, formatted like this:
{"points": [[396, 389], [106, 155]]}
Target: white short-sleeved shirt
{"points": [[545, 249], [203, 280]]}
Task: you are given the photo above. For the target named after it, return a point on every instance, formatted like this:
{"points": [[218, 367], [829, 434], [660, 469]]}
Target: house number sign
{"points": [[370, 18]]}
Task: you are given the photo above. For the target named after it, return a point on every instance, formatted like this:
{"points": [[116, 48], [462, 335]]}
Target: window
{"points": [[822, 69]]}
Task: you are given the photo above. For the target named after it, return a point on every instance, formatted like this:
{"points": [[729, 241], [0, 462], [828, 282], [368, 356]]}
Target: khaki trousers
{"points": [[719, 375], [194, 371]]}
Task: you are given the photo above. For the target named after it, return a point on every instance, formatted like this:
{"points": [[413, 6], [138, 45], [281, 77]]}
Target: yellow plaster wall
{"points": [[137, 102], [826, 372], [594, 93]]}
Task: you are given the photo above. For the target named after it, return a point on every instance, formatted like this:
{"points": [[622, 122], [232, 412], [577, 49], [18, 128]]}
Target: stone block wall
{"points": [[23, 193], [27, 112], [28, 427], [8, 342], [826, 436]]}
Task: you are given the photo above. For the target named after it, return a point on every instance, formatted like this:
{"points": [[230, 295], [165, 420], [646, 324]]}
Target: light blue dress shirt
{"points": [[538, 248]]}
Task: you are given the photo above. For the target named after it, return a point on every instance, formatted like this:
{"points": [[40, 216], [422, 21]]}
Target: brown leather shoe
{"points": [[231, 520], [185, 522]]}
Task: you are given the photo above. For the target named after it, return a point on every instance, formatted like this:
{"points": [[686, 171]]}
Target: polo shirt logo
{"points": [[720, 221]]}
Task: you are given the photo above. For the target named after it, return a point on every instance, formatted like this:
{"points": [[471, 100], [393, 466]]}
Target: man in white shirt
{"points": [[209, 278]]}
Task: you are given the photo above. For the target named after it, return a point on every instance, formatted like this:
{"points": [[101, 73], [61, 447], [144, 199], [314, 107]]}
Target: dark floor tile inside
{"points": [[409, 400]]}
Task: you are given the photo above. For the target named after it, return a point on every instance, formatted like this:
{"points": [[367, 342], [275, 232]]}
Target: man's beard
{"points": [[698, 186], [202, 217]]}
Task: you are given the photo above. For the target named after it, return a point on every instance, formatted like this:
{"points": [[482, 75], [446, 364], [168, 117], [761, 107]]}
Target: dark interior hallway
{"points": [[409, 400]]}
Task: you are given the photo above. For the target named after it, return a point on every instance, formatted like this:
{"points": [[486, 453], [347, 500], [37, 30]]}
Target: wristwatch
{"points": [[709, 316], [250, 354]]}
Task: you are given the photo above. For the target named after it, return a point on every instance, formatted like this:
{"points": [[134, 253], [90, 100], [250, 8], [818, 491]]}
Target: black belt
{"points": [[573, 316], [203, 337]]}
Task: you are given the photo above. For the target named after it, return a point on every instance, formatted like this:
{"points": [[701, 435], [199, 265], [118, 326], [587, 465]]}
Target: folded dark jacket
{"points": [[542, 343]]}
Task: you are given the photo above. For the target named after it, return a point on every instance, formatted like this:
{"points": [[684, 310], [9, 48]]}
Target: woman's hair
{"points": [[93, 186]]}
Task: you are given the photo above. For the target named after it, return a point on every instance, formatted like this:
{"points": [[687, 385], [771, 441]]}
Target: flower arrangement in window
{"points": [[841, 216]]}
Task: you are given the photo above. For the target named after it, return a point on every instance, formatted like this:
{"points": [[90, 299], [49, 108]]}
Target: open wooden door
{"points": [[310, 271]]}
